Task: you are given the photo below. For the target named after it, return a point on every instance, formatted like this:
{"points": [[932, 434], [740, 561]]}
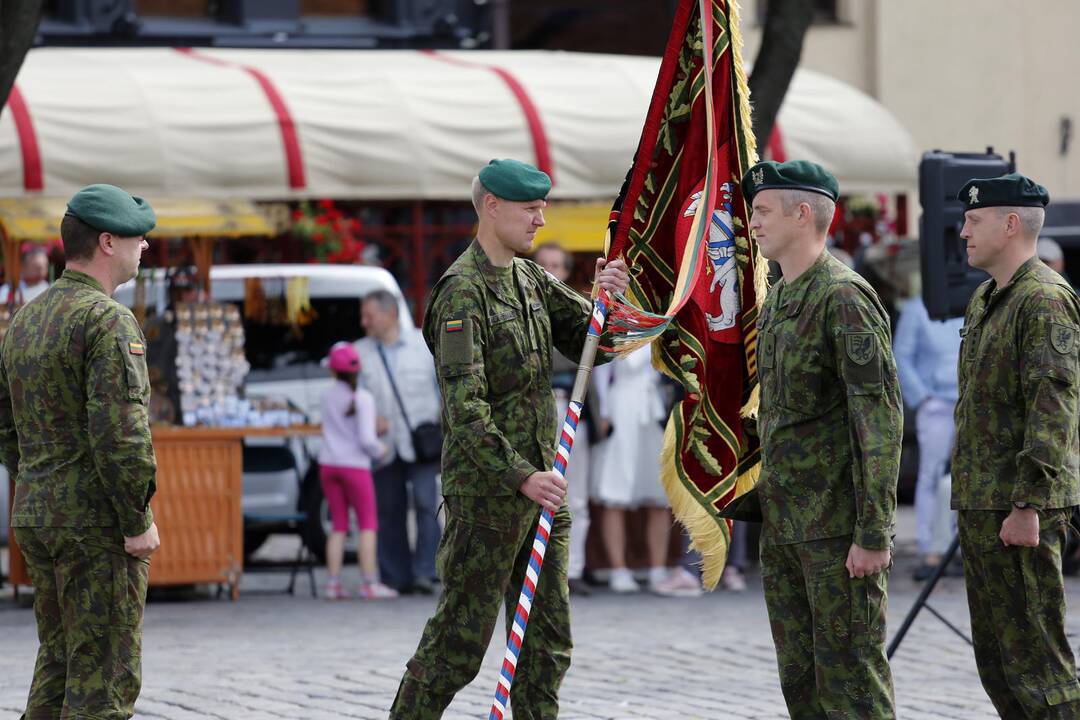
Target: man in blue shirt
{"points": [[926, 354]]}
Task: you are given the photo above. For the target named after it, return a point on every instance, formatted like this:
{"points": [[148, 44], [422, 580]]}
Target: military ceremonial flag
{"points": [[696, 276]]}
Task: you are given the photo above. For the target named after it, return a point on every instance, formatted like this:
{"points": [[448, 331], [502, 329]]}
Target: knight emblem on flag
{"points": [[722, 300]]}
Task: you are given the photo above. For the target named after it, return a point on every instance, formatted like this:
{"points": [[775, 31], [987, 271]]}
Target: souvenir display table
{"points": [[196, 506]]}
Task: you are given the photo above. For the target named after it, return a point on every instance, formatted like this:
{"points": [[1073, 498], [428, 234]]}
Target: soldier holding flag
{"points": [[491, 325]]}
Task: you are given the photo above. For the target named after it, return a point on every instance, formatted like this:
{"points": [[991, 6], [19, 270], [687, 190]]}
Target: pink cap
{"points": [[343, 358]]}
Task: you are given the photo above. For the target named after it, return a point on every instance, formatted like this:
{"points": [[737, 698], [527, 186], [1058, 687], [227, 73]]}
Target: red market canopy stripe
{"points": [[377, 125]]}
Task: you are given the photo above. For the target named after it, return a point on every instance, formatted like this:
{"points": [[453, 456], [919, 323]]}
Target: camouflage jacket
{"points": [[74, 393], [491, 331], [1016, 420], [830, 420]]}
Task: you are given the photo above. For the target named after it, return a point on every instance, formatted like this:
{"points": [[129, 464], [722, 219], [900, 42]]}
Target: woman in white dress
{"points": [[627, 469]]}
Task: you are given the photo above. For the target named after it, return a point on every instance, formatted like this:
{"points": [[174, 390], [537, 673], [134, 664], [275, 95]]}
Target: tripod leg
{"points": [[921, 600]]}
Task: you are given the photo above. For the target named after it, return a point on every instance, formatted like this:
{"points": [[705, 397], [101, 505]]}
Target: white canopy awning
{"points": [[272, 124]]}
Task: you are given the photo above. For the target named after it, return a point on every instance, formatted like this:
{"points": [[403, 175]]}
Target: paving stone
{"points": [[272, 656]]}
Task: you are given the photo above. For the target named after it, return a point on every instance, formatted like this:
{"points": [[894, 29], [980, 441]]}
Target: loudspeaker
{"points": [[948, 281]]}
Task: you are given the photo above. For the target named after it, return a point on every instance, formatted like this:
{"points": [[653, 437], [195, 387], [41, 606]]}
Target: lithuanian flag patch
{"points": [[136, 348], [455, 325]]}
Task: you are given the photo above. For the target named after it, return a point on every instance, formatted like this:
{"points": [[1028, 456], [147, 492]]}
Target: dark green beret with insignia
{"points": [[1012, 190], [109, 209], [515, 180], [793, 175]]}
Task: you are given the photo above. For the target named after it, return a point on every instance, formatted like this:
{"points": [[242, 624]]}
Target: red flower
{"points": [[326, 204], [297, 214], [318, 237]]}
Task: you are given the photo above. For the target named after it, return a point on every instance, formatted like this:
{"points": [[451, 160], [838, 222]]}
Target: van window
{"points": [[276, 345]]}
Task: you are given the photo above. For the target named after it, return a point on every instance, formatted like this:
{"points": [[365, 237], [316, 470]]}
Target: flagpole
{"points": [[516, 640]]}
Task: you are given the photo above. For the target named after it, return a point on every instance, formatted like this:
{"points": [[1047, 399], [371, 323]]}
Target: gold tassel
{"points": [[750, 409], [710, 538], [746, 482], [761, 268]]}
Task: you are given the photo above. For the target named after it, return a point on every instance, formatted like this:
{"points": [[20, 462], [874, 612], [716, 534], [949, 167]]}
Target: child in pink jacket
{"points": [[349, 444]]}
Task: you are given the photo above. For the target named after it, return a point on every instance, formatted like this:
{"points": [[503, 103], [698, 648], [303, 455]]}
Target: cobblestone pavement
{"points": [[276, 656]]}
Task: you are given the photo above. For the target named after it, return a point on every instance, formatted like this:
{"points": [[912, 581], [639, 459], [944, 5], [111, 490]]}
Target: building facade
{"points": [[960, 75]]}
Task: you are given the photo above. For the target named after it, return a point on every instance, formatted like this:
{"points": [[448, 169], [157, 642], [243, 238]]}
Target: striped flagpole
{"points": [[543, 529]]}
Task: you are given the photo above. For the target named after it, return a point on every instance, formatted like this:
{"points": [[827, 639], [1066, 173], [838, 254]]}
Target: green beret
{"points": [[107, 208], [515, 180], [793, 175], [1012, 190]]}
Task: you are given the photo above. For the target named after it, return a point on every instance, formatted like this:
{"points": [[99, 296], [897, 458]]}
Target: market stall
{"points": [[394, 134], [197, 505], [381, 124]]}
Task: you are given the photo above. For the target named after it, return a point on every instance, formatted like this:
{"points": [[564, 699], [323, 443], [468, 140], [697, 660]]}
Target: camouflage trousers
{"points": [[1017, 600], [88, 602], [482, 559], [829, 632]]}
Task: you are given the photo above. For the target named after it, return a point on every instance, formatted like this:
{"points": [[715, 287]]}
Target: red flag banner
{"points": [[696, 276]]}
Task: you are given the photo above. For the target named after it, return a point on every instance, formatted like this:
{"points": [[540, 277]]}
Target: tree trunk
{"points": [[786, 23], [18, 24]]}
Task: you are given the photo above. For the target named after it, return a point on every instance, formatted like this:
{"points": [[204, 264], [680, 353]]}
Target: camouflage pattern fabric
{"points": [[74, 433], [1016, 441], [74, 392], [491, 331], [1016, 419], [831, 418], [88, 600], [830, 424], [829, 632], [1017, 600], [482, 560]]}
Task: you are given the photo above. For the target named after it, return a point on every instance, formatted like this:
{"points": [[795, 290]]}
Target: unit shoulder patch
{"points": [[860, 347], [1062, 338]]}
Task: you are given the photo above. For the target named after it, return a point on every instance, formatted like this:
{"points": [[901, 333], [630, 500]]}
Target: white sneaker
{"points": [[732, 579], [376, 591], [334, 591], [679, 583], [622, 581]]}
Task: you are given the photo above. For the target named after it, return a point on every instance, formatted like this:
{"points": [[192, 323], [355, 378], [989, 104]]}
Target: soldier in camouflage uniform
{"points": [[830, 424], [1015, 466], [491, 324], [75, 436]]}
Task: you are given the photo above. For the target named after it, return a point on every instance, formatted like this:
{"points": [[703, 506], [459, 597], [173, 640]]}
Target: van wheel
{"points": [[313, 504]]}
